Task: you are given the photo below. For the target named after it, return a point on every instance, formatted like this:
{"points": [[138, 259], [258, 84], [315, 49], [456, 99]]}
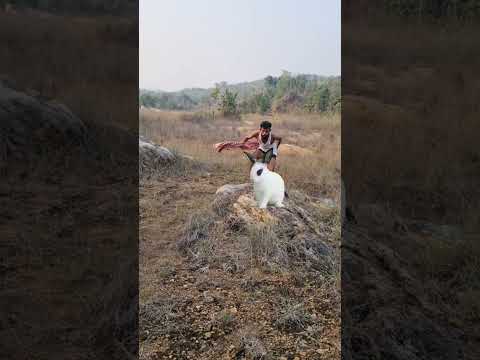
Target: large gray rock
{"points": [[152, 157], [227, 194], [29, 124]]}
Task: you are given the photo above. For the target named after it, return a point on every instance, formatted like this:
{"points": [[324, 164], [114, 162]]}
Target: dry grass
{"points": [[291, 316], [448, 270], [209, 239], [77, 202], [413, 125], [313, 166], [251, 345], [409, 146], [89, 64], [158, 318], [230, 277]]}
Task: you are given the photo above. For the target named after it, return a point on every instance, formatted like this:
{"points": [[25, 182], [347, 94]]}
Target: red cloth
{"points": [[228, 145]]}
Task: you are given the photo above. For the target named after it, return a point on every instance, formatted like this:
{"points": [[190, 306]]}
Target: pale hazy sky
{"points": [[195, 43]]}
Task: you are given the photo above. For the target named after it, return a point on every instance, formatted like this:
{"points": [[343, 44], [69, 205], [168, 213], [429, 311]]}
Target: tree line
{"points": [[285, 93]]}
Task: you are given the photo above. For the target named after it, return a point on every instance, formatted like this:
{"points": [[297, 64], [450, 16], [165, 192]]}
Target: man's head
{"points": [[265, 128]]}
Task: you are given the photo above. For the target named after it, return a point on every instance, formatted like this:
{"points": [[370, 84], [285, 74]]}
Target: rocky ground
{"points": [[220, 279]]}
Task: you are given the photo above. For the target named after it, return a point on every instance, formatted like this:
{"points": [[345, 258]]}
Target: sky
{"points": [[197, 43]]}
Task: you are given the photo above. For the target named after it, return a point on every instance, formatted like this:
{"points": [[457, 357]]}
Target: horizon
{"points": [[235, 83], [233, 42]]}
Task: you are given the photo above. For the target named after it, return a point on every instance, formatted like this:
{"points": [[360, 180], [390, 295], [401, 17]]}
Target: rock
{"points": [[294, 150], [328, 202], [29, 123], [292, 231], [229, 189], [226, 195], [152, 157]]}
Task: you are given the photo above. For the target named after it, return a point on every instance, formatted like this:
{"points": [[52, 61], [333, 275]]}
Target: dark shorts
{"points": [[266, 156]]}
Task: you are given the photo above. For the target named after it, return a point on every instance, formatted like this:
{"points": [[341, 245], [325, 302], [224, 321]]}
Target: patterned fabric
{"points": [[228, 145]]}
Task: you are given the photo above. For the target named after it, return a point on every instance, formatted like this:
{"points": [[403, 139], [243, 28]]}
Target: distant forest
{"points": [[287, 92]]}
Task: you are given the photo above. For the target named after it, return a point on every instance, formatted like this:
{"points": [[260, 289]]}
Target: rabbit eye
{"points": [[259, 172]]}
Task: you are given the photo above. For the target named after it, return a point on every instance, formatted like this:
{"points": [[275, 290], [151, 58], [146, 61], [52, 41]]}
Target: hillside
{"points": [[306, 92]]}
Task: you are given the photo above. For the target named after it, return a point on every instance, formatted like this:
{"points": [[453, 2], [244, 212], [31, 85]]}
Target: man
{"points": [[268, 144]]}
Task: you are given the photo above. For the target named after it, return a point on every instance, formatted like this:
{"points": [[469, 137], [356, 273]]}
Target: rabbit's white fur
{"points": [[268, 187]]}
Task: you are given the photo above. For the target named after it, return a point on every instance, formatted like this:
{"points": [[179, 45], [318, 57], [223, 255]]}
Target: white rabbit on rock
{"points": [[268, 186]]}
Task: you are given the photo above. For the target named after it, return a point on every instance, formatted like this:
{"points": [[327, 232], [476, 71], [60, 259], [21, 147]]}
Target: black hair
{"points": [[266, 125]]}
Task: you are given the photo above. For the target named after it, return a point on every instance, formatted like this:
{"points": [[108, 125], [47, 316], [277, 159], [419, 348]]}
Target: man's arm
{"points": [[251, 136], [277, 139], [276, 143]]}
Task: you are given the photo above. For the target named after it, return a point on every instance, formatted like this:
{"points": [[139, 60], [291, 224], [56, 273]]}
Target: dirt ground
{"points": [[195, 310], [209, 313]]}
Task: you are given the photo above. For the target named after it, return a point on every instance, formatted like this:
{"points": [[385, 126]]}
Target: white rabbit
{"points": [[268, 186]]}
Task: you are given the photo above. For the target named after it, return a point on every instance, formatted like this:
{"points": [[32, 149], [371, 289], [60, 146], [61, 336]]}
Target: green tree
{"points": [[229, 103], [213, 100], [263, 103]]}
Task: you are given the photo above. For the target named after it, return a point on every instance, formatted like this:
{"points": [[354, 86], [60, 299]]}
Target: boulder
{"points": [[152, 157], [227, 194], [301, 231], [29, 123]]}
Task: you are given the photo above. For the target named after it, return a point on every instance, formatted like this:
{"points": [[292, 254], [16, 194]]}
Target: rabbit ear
{"points": [[250, 157]]}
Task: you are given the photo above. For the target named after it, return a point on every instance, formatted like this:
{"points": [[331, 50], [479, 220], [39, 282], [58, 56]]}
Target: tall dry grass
{"points": [[88, 63], [409, 145], [82, 287], [311, 165], [410, 118]]}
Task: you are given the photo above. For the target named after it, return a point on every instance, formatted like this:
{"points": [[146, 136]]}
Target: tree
{"points": [[229, 103], [323, 99], [320, 100], [270, 82], [213, 100], [263, 103]]}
